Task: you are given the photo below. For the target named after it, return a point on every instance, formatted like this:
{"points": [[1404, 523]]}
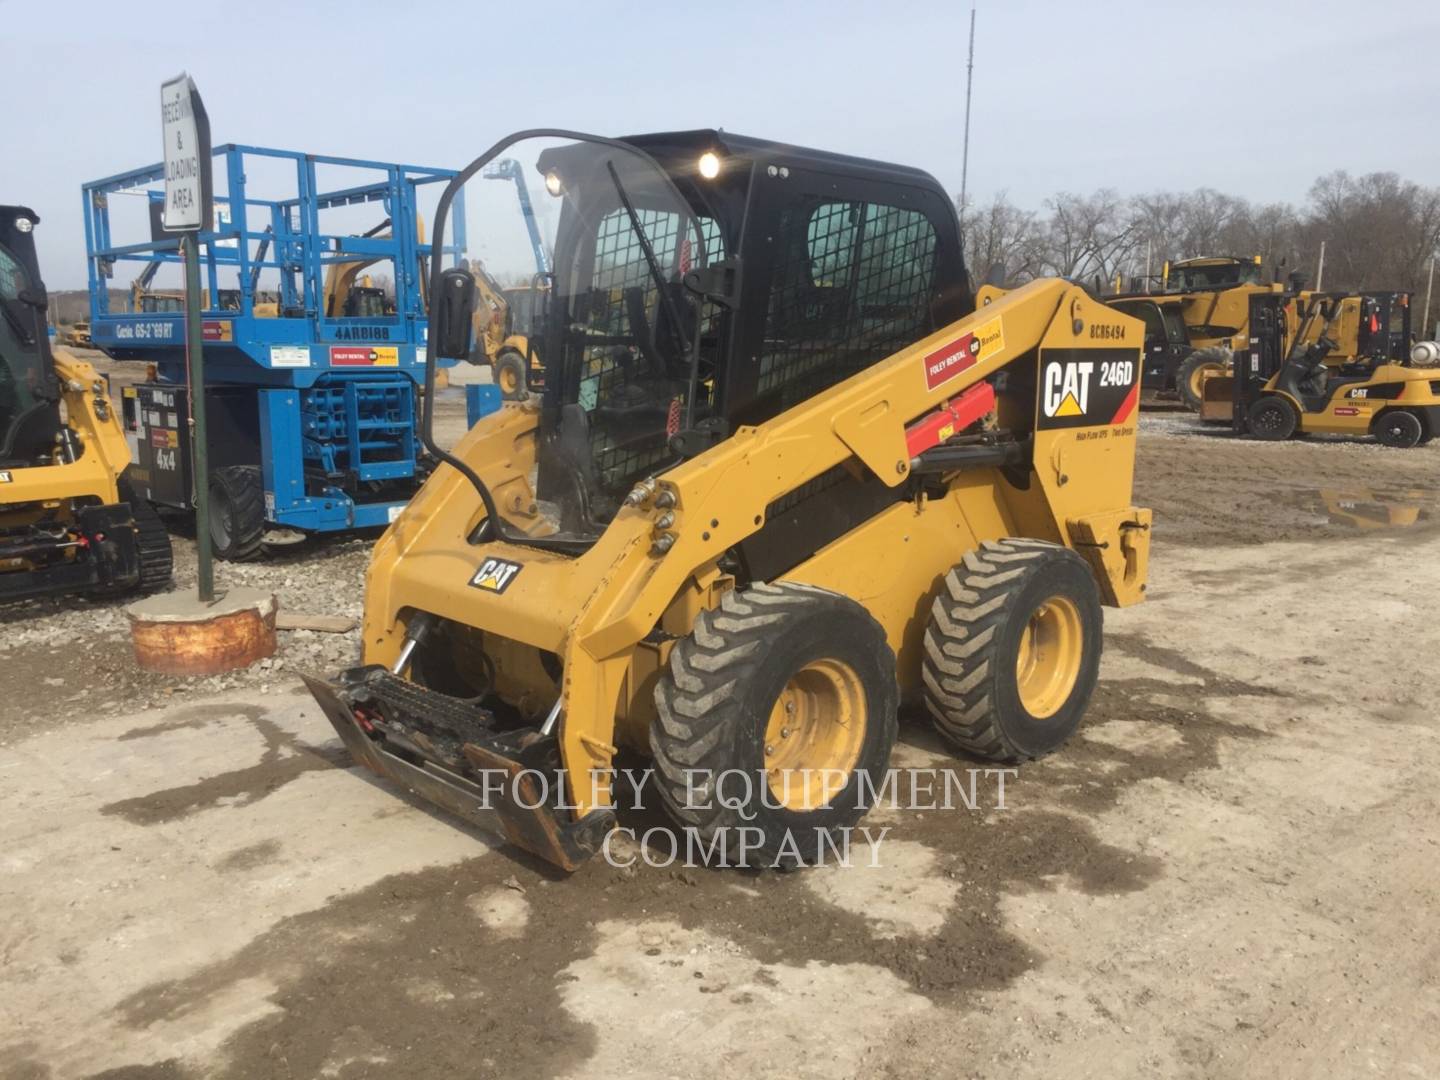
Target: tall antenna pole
{"points": [[965, 154], [1425, 328]]}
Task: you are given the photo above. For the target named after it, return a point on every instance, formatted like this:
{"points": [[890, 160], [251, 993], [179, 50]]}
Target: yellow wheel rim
{"points": [[509, 379], [1048, 662], [814, 735]]}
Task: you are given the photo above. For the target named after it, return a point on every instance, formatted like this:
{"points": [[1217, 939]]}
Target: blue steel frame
{"points": [[296, 358], [279, 234]]}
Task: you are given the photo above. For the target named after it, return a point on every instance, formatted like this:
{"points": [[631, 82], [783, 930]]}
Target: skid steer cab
{"points": [[69, 520], [784, 476], [1283, 386]]}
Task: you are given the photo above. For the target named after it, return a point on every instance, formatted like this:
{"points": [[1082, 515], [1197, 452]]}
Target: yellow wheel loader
{"points": [[1283, 384], [68, 519], [784, 477], [502, 337]]}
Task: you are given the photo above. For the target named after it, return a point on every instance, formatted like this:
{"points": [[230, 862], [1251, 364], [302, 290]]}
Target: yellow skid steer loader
{"points": [[69, 521], [783, 476]]}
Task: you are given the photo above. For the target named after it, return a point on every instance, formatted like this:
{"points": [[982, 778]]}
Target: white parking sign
{"points": [[187, 156]]}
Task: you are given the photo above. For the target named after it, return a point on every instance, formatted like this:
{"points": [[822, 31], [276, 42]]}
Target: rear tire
{"points": [[1012, 649], [1399, 428], [1272, 418], [1192, 370], [778, 680], [237, 512], [511, 375]]}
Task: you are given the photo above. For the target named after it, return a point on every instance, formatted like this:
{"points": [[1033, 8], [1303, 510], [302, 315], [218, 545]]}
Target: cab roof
{"points": [[689, 145]]}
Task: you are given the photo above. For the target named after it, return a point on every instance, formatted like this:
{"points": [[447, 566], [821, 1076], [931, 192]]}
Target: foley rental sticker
{"points": [[364, 356], [966, 351]]}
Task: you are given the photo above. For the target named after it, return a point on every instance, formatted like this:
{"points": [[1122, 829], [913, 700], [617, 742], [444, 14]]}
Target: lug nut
{"points": [[665, 520], [665, 500], [663, 543]]}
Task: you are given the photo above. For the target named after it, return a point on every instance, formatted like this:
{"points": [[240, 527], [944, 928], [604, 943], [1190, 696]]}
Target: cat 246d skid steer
{"points": [[783, 476]]}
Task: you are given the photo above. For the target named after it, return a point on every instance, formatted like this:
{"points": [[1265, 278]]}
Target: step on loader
{"points": [[784, 476], [69, 520]]}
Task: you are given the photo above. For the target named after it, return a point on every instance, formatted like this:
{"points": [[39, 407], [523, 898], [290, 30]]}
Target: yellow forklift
{"points": [[1283, 384], [69, 521]]}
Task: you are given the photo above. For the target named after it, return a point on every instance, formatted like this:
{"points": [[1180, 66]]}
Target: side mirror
{"points": [[451, 315]]}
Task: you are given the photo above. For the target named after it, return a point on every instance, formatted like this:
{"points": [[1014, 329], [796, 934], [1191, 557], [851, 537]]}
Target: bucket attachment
{"points": [[445, 750]]}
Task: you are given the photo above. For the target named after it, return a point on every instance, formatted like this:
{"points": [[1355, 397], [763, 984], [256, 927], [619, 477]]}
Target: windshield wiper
{"points": [[688, 345], [650, 261]]}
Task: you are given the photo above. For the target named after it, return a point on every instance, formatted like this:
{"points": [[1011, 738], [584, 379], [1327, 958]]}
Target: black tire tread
{"points": [[1377, 426], [1211, 354], [696, 705], [964, 620], [1273, 401], [509, 357], [246, 493], [152, 541]]}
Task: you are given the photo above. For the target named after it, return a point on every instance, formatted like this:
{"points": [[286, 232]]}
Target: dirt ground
{"points": [[1231, 870]]}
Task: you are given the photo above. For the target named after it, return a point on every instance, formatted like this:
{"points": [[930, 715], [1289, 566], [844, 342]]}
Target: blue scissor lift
{"points": [[316, 408]]}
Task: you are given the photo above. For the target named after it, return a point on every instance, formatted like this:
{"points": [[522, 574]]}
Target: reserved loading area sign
{"points": [[187, 156]]}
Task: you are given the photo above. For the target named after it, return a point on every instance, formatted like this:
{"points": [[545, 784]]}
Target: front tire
{"points": [[1399, 428], [775, 723], [237, 512], [511, 376], [1012, 649], [1272, 418]]}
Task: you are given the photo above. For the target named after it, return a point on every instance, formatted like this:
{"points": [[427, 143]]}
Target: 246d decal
{"points": [[1087, 387]]}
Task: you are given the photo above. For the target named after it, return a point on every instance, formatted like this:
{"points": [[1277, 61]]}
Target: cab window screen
{"points": [[852, 286], [12, 276], [623, 303]]}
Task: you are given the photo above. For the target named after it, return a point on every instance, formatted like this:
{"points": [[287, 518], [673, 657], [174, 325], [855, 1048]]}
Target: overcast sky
{"points": [[1256, 99]]}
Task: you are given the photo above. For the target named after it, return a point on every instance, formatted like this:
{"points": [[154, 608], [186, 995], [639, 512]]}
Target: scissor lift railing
{"points": [[297, 341], [329, 416]]}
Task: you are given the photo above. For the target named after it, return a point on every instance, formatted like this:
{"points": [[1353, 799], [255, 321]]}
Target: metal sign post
{"points": [[188, 200]]}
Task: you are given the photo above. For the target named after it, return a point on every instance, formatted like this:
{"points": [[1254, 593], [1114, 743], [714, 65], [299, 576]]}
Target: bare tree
{"points": [[1087, 235], [1380, 232], [1002, 242]]}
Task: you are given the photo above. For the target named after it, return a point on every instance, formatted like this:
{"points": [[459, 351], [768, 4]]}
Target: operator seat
{"points": [[1306, 378]]}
